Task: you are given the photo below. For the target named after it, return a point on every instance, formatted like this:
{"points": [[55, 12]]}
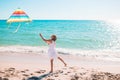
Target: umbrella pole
{"points": [[18, 27]]}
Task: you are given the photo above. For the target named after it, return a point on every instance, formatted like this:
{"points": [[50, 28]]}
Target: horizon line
{"points": [[71, 19]]}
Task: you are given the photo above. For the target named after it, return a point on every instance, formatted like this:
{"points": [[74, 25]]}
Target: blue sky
{"points": [[63, 9]]}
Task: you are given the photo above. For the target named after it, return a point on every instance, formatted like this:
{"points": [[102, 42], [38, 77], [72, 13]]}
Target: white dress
{"points": [[52, 51]]}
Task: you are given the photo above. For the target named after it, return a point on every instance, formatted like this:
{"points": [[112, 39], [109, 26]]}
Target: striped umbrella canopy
{"points": [[19, 16]]}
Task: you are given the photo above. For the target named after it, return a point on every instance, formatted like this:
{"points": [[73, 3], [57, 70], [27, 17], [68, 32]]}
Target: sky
{"points": [[63, 9]]}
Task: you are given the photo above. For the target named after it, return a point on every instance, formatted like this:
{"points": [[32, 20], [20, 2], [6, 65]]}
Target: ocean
{"points": [[71, 34]]}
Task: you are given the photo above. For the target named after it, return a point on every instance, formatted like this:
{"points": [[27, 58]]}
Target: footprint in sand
{"points": [[5, 79], [56, 75], [68, 72], [2, 72], [7, 75], [59, 71], [26, 69], [25, 75], [0, 78], [71, 67], [31, 74], [23, 71], [75, 77], [11, 69], [38, 72], [43, 71], [65, 74], [23, 79]]}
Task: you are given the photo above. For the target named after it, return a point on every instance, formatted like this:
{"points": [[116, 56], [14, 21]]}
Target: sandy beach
{"points": [[83, 37], [32, 63]]}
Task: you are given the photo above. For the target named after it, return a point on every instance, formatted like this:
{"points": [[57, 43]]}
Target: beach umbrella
{"points": [[18, 16]]}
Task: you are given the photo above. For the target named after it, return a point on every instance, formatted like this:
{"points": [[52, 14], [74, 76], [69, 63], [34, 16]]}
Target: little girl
{"points": [[51, 51]]}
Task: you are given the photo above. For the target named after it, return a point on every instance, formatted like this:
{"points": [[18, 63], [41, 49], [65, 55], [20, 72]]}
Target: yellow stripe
{"points": [[19, 20]]}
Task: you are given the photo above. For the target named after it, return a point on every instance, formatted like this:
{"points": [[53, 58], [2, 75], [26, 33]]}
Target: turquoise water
{"points": [[76, 34]]}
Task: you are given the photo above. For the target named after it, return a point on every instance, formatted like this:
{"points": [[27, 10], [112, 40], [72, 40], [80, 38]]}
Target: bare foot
{"points": [[65, 65], [51, 72]]}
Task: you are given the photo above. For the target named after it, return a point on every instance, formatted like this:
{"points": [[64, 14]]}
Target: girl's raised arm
{"points": [[47, 41]]}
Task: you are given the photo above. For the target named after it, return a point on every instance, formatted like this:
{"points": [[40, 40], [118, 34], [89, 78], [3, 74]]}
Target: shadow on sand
{"points": [[38, 78]]}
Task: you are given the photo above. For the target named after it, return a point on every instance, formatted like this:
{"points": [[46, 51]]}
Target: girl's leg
{"points": [[62, 61], [51, 64]]}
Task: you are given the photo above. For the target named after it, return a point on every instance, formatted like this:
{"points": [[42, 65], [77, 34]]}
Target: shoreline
{"points": [[106, 55], [27, 63]]}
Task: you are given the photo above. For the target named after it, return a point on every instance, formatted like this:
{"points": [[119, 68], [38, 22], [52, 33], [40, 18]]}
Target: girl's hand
{"points": [[40, 34]]}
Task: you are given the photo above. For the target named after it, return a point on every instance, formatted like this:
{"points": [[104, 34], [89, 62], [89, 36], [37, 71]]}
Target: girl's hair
{"points": [[53, 37]]}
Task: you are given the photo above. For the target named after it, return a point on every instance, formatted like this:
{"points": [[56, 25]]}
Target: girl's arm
{"points": [[47, 41]]}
